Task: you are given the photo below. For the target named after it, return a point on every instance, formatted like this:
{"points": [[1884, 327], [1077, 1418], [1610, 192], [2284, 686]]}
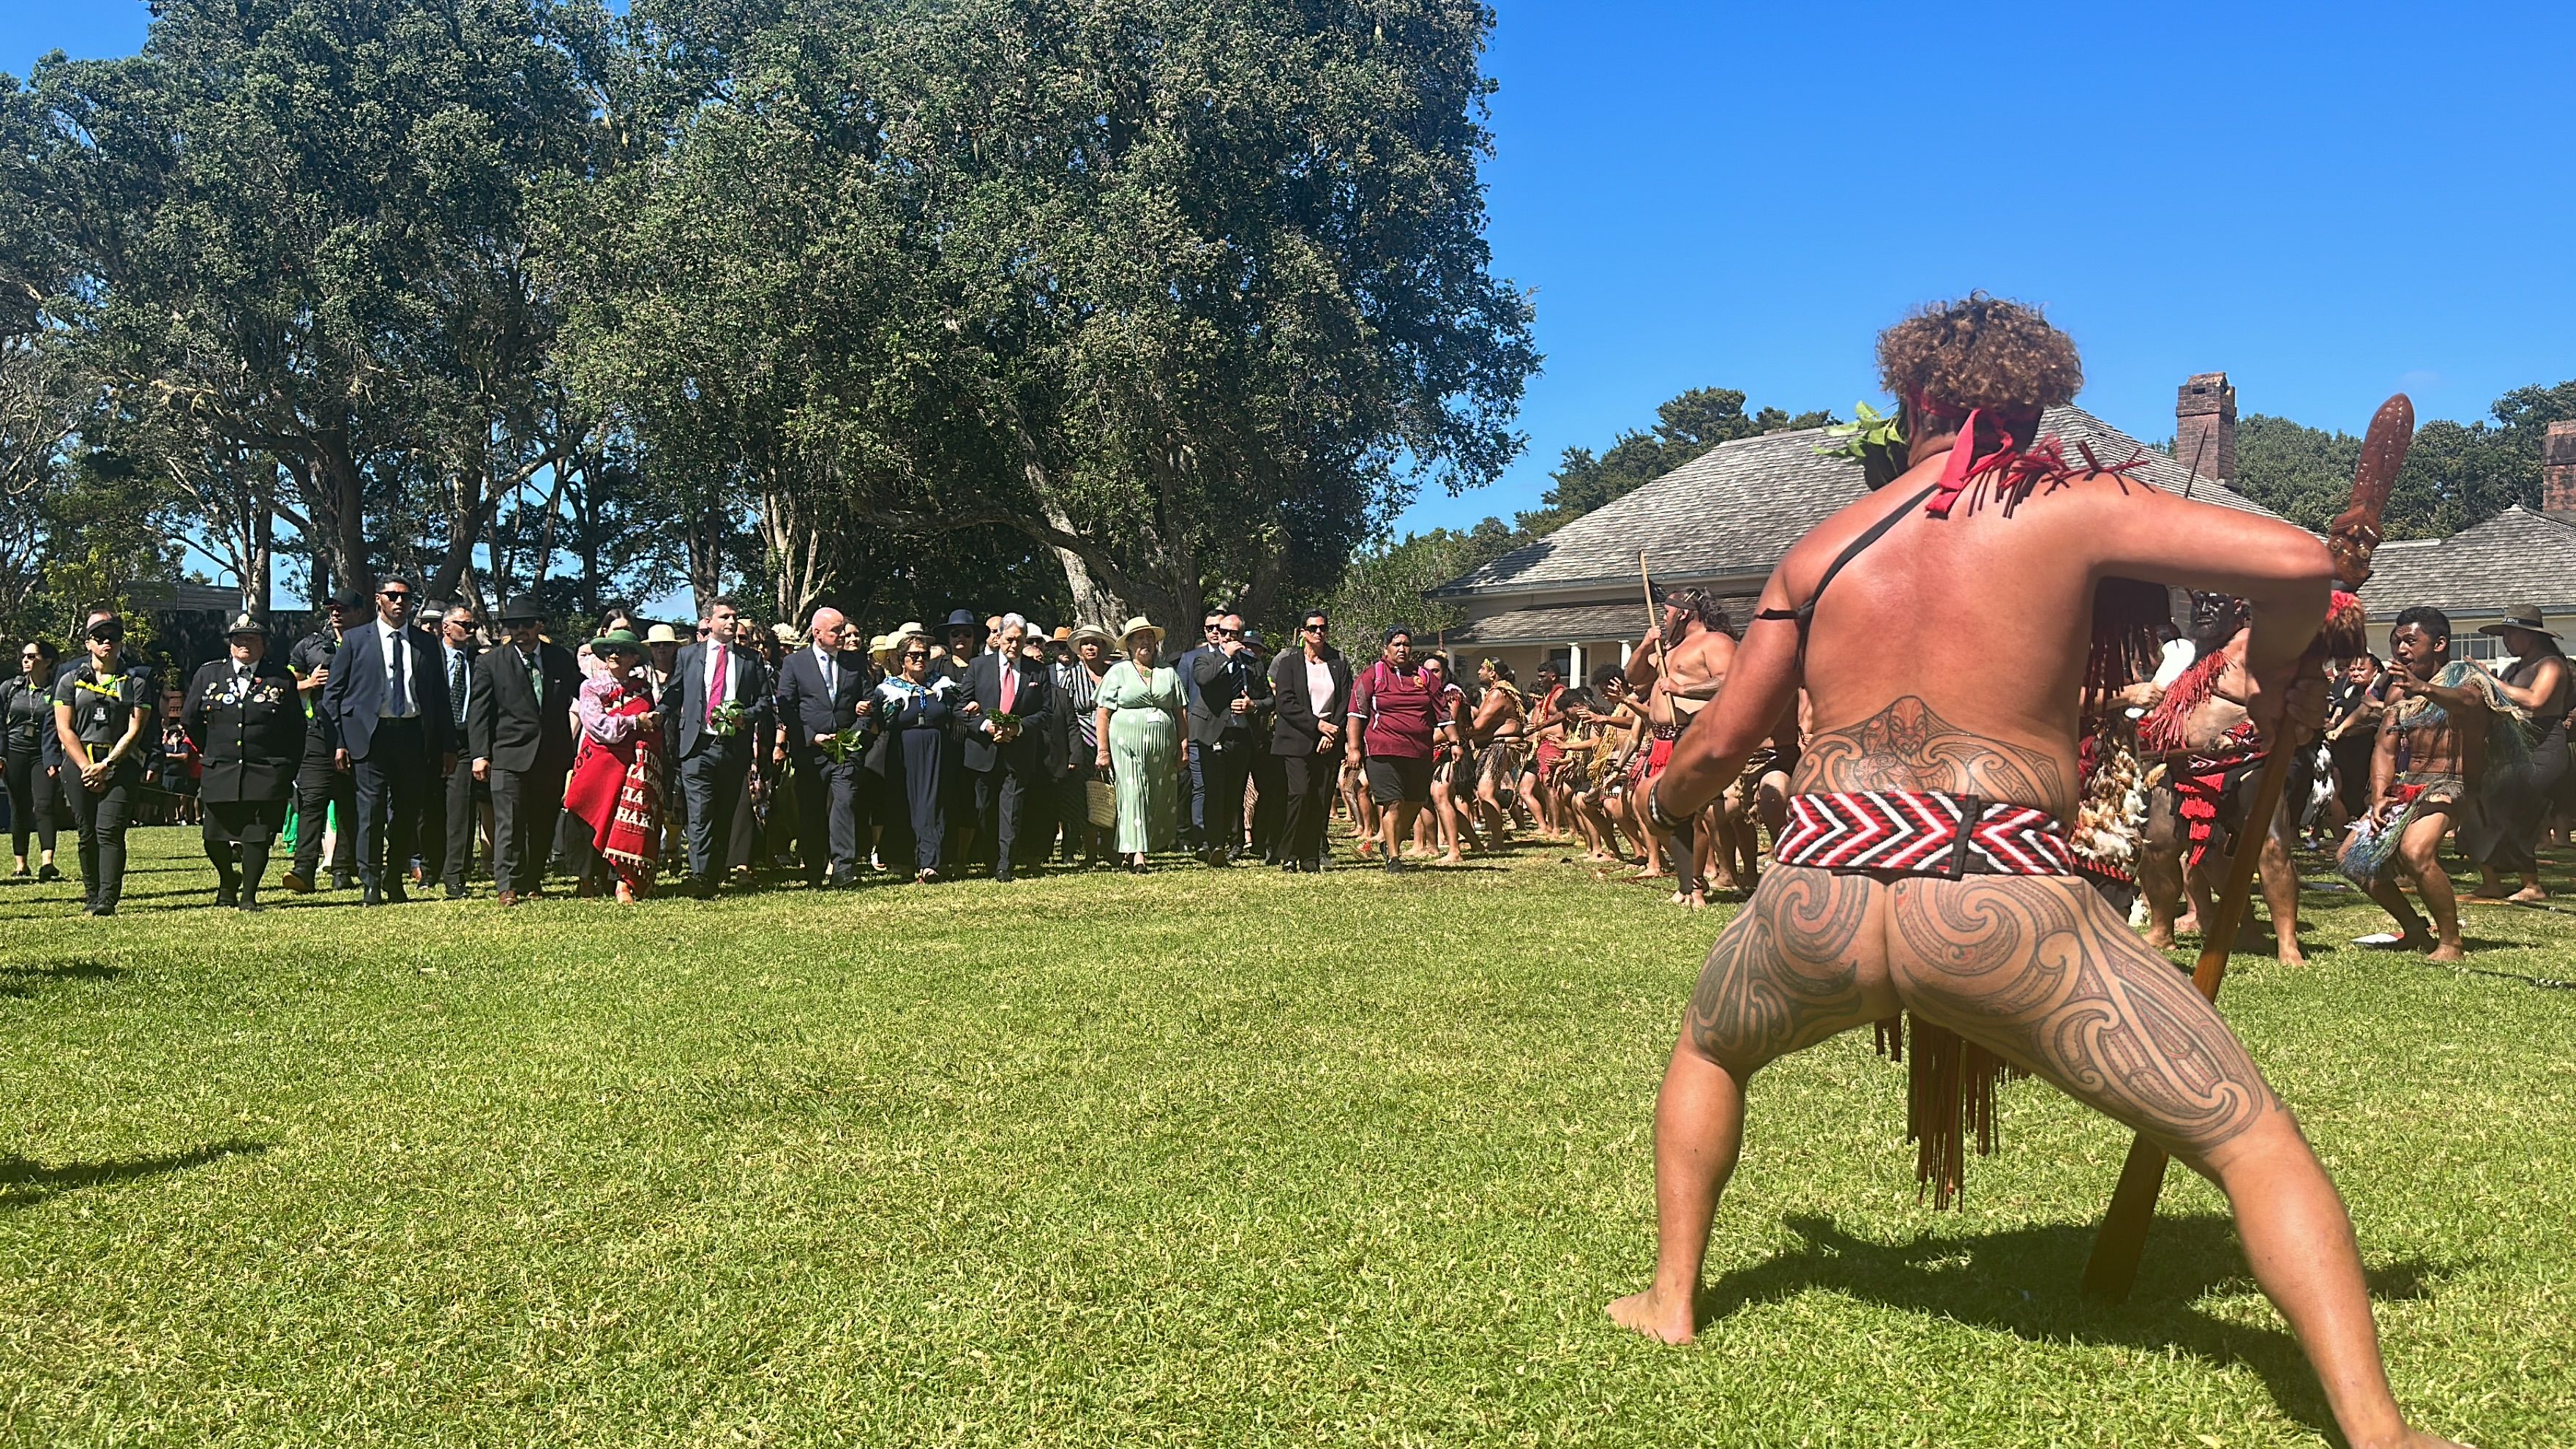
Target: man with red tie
{"points": [[717, 703], [1007, 696]]}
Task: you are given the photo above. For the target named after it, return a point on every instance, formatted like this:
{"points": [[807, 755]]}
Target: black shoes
{"points": [[49, 873], [341, 881], [227, 896], [372, 896]]}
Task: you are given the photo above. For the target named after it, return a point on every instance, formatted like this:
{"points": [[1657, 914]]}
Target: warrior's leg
{"points": [[2419, 854], [2160, 867], [1798, 964], [2041, 973], [2280, 876]]}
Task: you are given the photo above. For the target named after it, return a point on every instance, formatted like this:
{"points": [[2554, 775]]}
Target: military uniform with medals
{"points": [[248, 724]]}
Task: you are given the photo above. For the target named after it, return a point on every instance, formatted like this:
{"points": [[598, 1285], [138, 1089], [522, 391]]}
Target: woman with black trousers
{"points": [[1310, 690], [247, 721], [28, 749], [100, 713]]}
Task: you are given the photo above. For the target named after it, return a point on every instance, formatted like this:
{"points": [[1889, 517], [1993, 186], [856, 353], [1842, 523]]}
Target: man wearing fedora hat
{"points": [[243, 715], [2506, 840], [522, 744]]}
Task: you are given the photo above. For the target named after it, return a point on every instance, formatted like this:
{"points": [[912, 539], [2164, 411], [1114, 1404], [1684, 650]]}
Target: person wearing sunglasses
{"points": [[395, 731], [29, 750], [917, 704], [1310, 687], [100, 714]]}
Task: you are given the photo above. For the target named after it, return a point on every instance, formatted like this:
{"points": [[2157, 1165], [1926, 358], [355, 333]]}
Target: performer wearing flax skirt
{"points": [[1926, 869]]}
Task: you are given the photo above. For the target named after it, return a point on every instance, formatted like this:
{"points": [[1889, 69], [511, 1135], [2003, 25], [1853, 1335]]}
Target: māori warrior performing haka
{"points": [[1679, 667], [1927, 871]]}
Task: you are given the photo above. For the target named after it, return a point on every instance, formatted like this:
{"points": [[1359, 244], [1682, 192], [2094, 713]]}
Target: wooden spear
{"points": [[2122, 1242]]}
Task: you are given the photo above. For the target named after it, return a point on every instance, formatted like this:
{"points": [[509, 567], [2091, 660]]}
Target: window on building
{"points": [[2483, 647]]}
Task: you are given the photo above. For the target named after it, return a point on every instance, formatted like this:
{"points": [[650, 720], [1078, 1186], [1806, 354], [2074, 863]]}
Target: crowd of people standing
{"points": [[657, 756]]}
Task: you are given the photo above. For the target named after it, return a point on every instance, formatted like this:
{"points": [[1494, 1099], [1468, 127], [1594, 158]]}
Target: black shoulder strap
{"points": [[1805, 613]]}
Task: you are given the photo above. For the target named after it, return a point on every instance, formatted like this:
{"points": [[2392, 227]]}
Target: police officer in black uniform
{"points": [[319, 782], [247, 721], [101, 711]]}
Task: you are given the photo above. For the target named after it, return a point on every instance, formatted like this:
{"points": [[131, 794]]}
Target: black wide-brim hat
{"points": [[964, 619], [524, 607]]}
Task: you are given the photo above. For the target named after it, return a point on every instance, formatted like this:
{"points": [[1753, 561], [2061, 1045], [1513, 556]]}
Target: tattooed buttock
{"points": [[1785, 973]]}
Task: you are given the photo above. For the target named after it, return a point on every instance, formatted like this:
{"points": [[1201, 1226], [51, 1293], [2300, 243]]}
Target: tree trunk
{"points": [[336, 500]]}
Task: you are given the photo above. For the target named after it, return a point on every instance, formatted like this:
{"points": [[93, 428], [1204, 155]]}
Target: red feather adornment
{"points": [[2347, 631]]}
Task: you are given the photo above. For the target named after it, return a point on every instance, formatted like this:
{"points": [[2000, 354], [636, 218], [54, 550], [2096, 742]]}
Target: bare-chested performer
{"points": [[2428, 759], [1680, 666], [1947, 893], [2212, 756]]}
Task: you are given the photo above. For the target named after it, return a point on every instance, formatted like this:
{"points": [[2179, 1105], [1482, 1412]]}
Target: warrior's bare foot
{"points": [[2529, 895], [1650, 1314], [1696, 900], [2489, 893], [1724, 881], [2187, 924], [2448, 952], [1648, 873], [2160, 937], [1453, 858], [2291, 955]]}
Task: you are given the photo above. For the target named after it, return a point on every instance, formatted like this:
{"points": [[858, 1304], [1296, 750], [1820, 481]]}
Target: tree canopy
{"points": [[1123, 306], [2456, 474]]}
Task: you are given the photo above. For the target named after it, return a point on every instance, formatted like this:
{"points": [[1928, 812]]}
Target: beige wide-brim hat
{"points": [[1092, 631], [881, 646], [1138, 625], [909, 629], [2520, 616], [662, 634]]}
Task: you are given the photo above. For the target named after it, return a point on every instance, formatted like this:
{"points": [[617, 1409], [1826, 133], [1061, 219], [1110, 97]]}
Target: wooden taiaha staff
{"points": [[1654, 618], [2350, 540]]}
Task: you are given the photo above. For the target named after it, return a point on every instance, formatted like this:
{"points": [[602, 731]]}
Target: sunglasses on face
{"points": [[1313, 628], [397, 595], [1229, 633], [918, 654]]}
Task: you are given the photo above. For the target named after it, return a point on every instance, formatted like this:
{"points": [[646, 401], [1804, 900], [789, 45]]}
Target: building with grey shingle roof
{"points": [[1720, 521], [2516, 557]]}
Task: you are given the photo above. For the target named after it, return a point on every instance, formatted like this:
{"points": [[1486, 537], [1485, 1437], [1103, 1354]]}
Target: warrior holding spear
{"points": [[1926, 869]]}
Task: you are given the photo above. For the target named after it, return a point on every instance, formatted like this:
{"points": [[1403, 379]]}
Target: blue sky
{"points": [[2328, 202]]}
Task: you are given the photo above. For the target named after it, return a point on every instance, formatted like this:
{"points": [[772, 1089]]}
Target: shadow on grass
{"points": [[2022, 1281], [24, 1183], [19, 982]]}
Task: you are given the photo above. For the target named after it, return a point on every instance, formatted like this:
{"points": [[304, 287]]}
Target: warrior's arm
{"points": [[1761, 692], [2383, 765]]}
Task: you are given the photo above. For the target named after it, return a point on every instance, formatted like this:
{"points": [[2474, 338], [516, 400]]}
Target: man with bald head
{"points": [[823, 690]]}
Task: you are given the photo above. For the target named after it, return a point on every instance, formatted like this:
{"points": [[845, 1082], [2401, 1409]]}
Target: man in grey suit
{"points": [[716, 704], [523, 744]]}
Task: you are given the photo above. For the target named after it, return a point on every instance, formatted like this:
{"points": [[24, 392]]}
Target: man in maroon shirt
{"points": [[1393, 713]]}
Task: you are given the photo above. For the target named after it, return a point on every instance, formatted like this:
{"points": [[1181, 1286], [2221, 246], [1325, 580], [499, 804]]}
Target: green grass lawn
{"points": [[1201, 1159]]}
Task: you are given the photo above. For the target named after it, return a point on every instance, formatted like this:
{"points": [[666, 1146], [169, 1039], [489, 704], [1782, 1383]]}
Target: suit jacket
{"points": [[684, 702], [354, 699], [1222, 679], [806, 709], [251, 738], [1294, 729], [509, 724], [1032, 701]]}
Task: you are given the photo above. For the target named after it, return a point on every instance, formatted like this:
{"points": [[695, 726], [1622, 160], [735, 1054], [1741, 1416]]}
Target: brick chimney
{"points": [[2205, 426], [2558, 470]]}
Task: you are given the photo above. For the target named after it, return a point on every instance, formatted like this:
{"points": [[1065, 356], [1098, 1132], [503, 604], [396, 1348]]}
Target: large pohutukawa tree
{"points": [[300, 228]]}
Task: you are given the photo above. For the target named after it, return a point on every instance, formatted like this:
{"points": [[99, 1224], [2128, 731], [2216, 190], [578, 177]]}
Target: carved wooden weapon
{"points": [[2350, 541]]}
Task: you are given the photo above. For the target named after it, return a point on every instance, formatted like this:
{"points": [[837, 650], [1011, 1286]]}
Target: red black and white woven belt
{"points": [[1921, 832]]}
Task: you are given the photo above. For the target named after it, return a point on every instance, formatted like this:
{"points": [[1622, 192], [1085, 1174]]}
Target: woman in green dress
{"points": [[1140, 742]]}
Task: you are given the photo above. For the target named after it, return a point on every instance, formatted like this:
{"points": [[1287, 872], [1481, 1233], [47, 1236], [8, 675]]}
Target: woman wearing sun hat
{"points": [[616, 786], [2505, 840], [1138, 720]]}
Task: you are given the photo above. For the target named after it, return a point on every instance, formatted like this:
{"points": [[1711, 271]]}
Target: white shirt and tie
{"points": [[401, 699], [831, 675]]}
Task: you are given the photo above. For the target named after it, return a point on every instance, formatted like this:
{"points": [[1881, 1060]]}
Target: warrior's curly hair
{"points": [[1980, 352]]}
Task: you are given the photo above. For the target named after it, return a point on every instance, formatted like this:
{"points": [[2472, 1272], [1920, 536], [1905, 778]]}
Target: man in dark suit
{"points": [[1005, 757], [822, 688], [717, 705], [447, 840], [387, 701], [321, 782], [1232, 686], [1193, 823], [522, 740], [1310, 693], [247, 722]]}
